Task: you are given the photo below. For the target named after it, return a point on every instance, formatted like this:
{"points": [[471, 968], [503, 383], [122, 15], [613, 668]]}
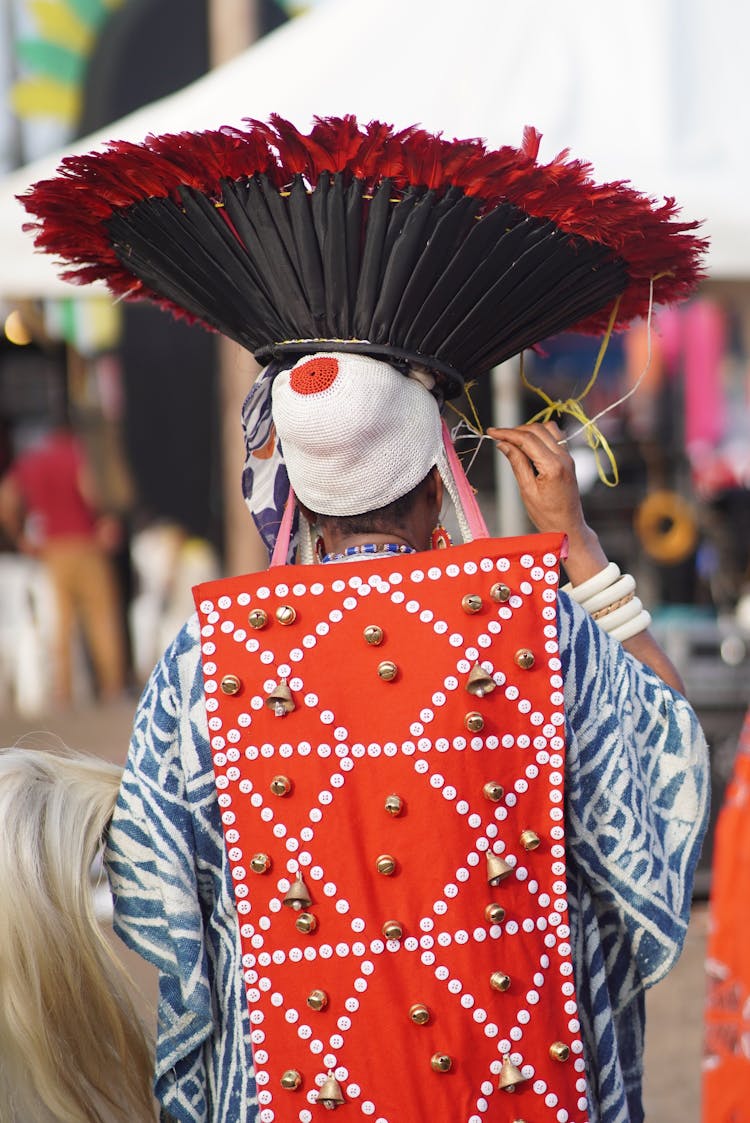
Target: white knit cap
{"points": [[355, 433]]}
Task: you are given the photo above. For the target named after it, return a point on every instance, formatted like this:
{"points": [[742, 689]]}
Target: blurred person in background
{"points": [[726, 1061], [49, 509]]}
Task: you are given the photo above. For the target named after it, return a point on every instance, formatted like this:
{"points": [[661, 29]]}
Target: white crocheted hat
{"points": [[355, 433]]}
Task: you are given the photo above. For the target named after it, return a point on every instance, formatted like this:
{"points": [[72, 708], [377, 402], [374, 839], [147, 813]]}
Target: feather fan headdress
{"points": [[403, 245]]}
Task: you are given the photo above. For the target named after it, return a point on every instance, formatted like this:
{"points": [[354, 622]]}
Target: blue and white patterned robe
{"points": [[636, 808]]}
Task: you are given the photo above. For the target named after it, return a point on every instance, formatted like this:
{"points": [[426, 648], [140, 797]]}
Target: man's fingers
{"points": [[519, 461], [535, 442]]}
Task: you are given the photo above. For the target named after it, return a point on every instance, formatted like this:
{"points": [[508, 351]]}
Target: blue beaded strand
{"points": [[369, 548]]}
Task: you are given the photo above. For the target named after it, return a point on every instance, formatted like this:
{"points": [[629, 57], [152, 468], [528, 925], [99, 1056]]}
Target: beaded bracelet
{"points": [[600, 612], [622, 615], [609, 596]]}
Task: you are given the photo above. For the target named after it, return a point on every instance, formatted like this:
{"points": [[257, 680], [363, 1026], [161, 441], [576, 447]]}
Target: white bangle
{"points": [[596, 584], [622, 615], [633, 627], [610, 595]]}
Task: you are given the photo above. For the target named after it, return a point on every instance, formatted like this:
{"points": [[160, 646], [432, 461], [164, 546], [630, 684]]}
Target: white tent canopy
{"points": [[656, 91]]}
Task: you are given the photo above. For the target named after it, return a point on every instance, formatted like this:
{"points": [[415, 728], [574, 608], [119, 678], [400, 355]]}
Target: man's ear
{"points": [[438, 488]]}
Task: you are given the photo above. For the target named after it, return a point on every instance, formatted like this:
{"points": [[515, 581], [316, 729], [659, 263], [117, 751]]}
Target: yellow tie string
{"points": [[595, 439]]}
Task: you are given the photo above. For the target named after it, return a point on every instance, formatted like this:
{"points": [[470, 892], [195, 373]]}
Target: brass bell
{"points": [[471, 603], [394, 805], [559, 1051], [530, 840], [305, 923], [291, 1080], [280, 700], [510, 1076], [497, 869], [392, 930], [499, 981], [500, 593], [493, 791], [297, 896], [285, 614], [419, 1014], [231, 684], [495, 914], [474, 722], [281, 785], [317, 1000], [386, 864], [260, 863], [479, 682], [441, 1062], [373, 635], [330, 1094], [257, 618], [387, 670], [524, 658]]}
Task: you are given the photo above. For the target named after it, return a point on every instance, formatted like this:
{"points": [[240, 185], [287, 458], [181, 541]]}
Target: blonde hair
{"points": [[72, 1048]]}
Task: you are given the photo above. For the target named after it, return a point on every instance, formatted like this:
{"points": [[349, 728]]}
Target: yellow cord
{"points": [[595, 439]]}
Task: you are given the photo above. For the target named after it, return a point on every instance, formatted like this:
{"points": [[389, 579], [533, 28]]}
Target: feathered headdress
{"points": [[403, 245]]}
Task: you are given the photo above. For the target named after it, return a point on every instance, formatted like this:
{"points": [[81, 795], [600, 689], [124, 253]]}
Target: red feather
{"points": [[71, 211]]}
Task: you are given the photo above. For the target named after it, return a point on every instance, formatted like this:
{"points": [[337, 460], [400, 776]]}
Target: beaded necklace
{"points": [[369, 548]]}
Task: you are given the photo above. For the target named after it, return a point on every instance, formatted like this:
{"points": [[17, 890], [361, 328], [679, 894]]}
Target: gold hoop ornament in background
{"points": [[666, 527]]}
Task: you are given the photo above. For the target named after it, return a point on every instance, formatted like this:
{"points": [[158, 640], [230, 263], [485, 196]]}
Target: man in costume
{"points": [[407, 831]]}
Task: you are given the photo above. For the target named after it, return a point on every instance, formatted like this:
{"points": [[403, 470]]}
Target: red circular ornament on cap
{"points": [[315, 375]]}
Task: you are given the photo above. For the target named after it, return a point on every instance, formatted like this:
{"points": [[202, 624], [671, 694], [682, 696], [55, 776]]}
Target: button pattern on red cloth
{"points": [[365, 826]]}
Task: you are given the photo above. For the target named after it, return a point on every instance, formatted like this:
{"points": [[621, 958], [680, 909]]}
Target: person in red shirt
{"points": [[47, 506]]}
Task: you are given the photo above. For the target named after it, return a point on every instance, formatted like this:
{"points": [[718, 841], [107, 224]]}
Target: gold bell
{"points": [[285, 614], [559, 1051], [231, 684], [474, 722], [298, 897], [524, 658], [441, 1062], [387, 670], [509, 1075], [291, 1080], [317, 1000], [257, 618], [530, 840], [386, 864], [500, 593], [419, 1014], [281, 785], [479, 682], [493, 791], [260, 863], [499, 981], [471, 603], [330, 1094], [497, 869], [495, 914], [394, 805], [305, 923], [392, 930], [280, 700], [373, 635]]}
